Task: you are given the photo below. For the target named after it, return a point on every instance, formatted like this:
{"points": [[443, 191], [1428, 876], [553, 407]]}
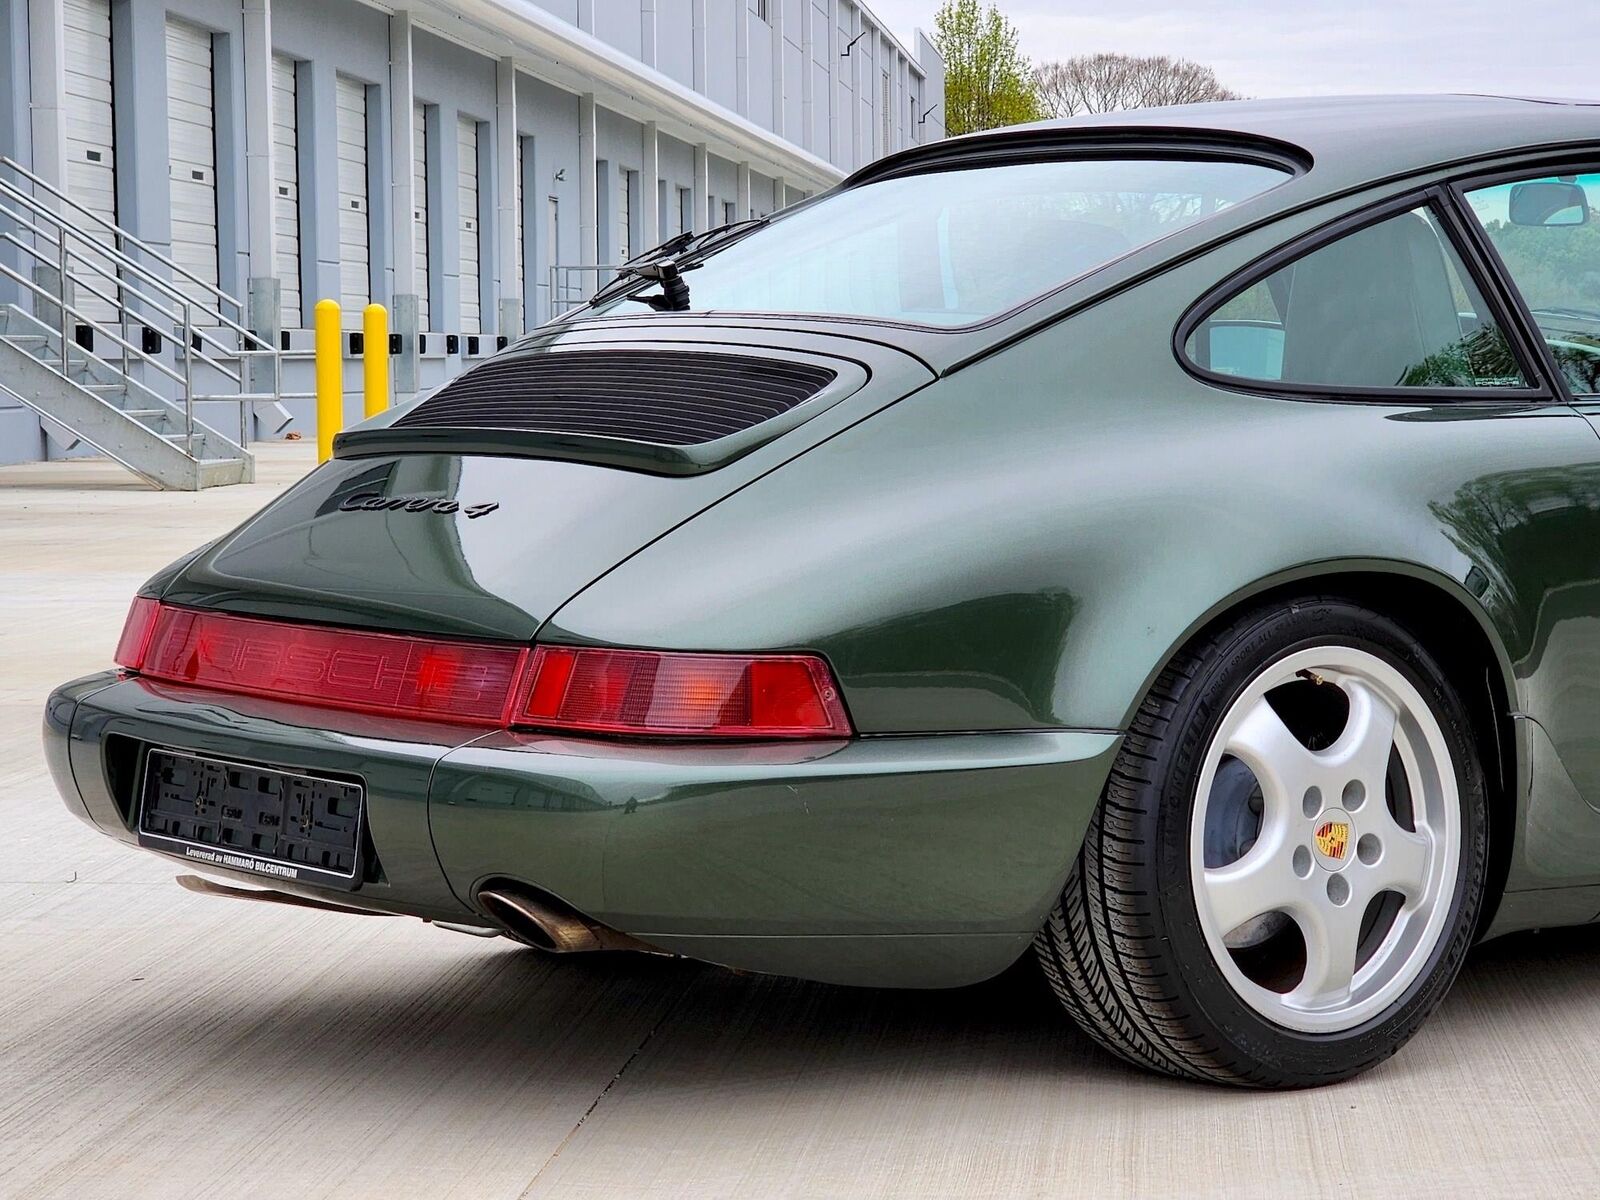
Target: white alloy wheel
{"points": [[1324, 869]]}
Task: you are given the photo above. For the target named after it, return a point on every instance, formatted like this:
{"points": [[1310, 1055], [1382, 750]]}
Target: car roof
{"points": [[1348, 139]]}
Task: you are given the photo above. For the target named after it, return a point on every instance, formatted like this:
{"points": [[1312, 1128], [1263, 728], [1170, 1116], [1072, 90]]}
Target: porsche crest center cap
{"points": [[1333, 840]]}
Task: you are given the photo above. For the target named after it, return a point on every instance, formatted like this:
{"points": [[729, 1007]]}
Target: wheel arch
{"points": [[1454, 628]]}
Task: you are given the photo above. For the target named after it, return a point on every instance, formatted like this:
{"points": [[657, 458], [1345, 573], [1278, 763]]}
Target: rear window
{"points": [[954, 247]]}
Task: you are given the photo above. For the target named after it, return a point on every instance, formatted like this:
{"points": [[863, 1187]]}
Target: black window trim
{"points": [[1580, 161], [1436, 197]]}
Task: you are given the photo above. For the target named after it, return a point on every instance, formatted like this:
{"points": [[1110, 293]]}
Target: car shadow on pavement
{"points": [[495, 1022]]}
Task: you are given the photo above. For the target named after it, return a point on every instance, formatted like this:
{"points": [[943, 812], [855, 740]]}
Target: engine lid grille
{"points": [[664, 398]]}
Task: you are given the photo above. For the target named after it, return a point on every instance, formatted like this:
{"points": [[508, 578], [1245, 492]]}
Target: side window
{"points": [[1388, 306], [1548, 236]]}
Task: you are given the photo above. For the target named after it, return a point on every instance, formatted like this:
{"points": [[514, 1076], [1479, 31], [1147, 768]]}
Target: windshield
{"points": [[954, 247]]}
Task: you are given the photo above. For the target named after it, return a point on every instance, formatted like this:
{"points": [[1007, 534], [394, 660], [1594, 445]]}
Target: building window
{"points": [[685, 210], [759, 7], [730, 212]]}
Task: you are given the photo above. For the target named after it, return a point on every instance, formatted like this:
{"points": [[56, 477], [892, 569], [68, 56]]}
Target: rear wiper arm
{"points": [[674, 291], [674, 250]]}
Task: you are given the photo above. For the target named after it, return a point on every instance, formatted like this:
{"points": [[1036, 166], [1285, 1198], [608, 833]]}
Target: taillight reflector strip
{"points": [[136, 631], [638, 693], [648, 693], [399, 675]]}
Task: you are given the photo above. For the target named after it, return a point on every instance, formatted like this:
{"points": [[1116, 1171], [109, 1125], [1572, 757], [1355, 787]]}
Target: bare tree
{"points": [[1093, 83]]}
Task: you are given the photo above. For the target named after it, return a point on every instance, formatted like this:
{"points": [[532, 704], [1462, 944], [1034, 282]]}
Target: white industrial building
{"points": [[191, 176]]}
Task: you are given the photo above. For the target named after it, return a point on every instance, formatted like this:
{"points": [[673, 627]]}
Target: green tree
{"points": [[988, 82]]}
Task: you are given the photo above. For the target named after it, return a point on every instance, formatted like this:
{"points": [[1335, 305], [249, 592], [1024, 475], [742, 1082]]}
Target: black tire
{"points": [[1124, 949]]}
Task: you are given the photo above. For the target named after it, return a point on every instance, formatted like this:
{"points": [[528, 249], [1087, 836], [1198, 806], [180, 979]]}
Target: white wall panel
{"points": [[286, 189], [192, 157], [355, 230]]}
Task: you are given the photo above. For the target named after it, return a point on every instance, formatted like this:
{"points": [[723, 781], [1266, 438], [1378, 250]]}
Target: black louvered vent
{"points": [[664, 398]]}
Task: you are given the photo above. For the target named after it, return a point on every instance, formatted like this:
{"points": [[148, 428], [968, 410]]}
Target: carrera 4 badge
{"points": [[373, 502]]}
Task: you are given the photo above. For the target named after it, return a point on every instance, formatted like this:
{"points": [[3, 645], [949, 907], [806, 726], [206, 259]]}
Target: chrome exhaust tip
{"points": [[547, 924]]}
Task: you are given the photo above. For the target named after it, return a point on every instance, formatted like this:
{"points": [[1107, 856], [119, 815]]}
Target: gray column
{"points": [[742, 204], [808, 77], [15, 137], [263, 310], [405, 306], [647, 32], [139, 69], [47, 72], [874, 67], [741, 57], [775, 11], [506, 189], [586, 15], [649, 185], [588, 215], [697, 32], [319, 179], [831, 43], [701, 202], [380, 201], [857, 55]]}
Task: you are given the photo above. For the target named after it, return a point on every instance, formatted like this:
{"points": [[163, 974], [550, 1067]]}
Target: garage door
{"points": [[192, 158], [286, 190], [354, 234], [91, 163], [467, 162], [419, 212]]}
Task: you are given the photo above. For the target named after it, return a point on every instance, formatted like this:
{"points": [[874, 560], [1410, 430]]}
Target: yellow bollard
{"points": [[330, 378], [375, 358]]}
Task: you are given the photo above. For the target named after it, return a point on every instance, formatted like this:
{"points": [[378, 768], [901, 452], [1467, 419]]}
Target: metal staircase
{"points": [[122, 343]]}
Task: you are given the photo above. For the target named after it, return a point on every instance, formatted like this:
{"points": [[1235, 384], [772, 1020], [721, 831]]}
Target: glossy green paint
{"points": [[997, 540], [557, 525], [394, 760], [817, 852]]}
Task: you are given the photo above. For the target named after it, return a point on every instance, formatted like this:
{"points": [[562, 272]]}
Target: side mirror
{"points": [[1549, 202]]}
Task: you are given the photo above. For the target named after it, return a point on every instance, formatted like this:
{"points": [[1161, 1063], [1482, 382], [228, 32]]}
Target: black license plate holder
{"points": [[284, 825]]}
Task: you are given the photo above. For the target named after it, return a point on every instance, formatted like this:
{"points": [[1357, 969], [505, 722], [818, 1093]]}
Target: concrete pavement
{"points": [[158, 1043]]}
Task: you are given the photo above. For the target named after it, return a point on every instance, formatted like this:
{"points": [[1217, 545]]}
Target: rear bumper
{"points": [[905, 861]]}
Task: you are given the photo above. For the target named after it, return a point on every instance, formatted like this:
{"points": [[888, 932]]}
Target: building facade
{"points": [[473, 166]]}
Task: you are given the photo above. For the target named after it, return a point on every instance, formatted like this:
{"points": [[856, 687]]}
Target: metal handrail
{"points": [[187, 408], [111, 263], [565, 294], [122, 234], [191, 424], [115, 258], [155, 305]]}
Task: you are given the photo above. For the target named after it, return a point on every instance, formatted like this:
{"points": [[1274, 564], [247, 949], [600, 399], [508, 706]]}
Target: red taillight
{"points": [[650, 694], [136, 632], [631, 692], [386, 673]]}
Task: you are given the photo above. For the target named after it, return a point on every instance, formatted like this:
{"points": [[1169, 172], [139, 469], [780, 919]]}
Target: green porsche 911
{"points": [[1167, 544]]}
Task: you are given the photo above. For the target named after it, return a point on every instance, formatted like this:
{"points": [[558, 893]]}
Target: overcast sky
{"points": [[1309, 47]]}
